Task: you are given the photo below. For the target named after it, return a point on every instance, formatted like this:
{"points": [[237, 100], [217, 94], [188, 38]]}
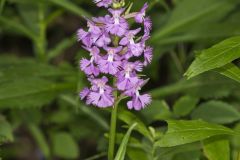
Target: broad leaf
{"points": [[168, 153], [64, 146], [230, 70], [199, 32], [216, 112], [200, 10], [30, 92], [215, 57], [184, 105], [136, 153], [12, 68], [6, 133], [157, 110], [216, 148], [182, 132], [193, 155], [123, 147]]}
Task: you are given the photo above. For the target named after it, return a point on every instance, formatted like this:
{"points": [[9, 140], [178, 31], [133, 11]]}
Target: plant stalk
{"points": [[40, 42], [112, 133]]}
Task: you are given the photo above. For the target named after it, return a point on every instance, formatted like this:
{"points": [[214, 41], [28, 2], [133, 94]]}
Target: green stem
{"points": [[177, 62], [2, 3], [40, 43], [112, 134], [97, 156]]}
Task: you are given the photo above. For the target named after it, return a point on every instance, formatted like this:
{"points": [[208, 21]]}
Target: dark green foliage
{"points": [[190, 118]]}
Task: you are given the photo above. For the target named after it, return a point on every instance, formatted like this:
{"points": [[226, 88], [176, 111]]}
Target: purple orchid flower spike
{"points": [[116, 52]]}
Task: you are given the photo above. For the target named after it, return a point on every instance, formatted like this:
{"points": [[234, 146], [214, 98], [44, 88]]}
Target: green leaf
{"points": [[6, 132], [235, 140], [30, 16], [208, 85], [24, 83], [157, 110], [200, 10], [185, 105], [136, 153], [27, 1], [215, 57], [216, 112], [2, 3], [123, 147], [63, 45], [216, 148], [67, 4], [64, 146], [129, 118], [217, 28], [30, 92], [168, 153], [18, 68], [192, 155], [230, 70], [86, 110], [182, 132], [9, 23]]}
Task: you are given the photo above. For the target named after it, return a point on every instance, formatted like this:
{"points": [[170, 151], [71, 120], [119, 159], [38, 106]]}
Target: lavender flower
{"points": [[140, 16], [118, 52], [103, 3], [101, 93], [116, 24]]}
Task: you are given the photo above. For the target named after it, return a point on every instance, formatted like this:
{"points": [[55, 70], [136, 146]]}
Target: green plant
{"points": [[192, 117]]}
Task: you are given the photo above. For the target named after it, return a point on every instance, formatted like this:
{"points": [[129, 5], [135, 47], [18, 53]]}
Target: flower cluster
{"points": [[116, 52]]}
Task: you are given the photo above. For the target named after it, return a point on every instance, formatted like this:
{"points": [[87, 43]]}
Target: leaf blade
{"points": [[123, 147], [231, 71], [183, 132], [215, 57], [215, 145]]}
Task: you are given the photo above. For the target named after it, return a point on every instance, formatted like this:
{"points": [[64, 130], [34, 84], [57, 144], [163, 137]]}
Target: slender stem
{"points": [[41, 40], [97, 156], [2, 3], [112, 134], [177, 62]]}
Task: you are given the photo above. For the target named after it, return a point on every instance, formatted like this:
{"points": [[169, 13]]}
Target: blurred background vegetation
{"points": [[41, 114]]}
